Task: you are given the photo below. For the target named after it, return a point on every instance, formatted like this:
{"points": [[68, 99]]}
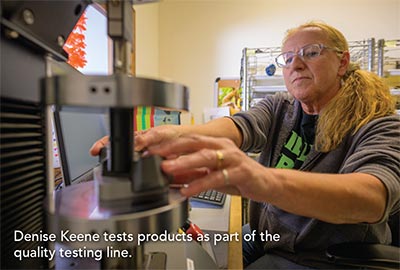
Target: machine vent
{"points": [[22, 178]]}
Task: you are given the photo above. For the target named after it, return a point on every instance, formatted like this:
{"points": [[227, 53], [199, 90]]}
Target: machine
{"points": [[129, 195]]}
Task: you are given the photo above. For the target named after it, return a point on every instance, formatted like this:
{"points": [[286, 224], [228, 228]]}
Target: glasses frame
{"points": [[300, 54]]}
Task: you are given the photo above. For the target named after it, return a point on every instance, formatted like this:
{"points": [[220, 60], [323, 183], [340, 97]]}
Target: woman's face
{"points": [[316, 81]]}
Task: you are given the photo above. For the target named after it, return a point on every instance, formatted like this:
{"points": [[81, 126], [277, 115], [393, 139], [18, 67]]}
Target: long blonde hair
{"points": [[363, 96]]}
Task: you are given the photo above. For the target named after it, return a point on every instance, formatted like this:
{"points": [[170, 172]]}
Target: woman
{"points": [[328, 170]]}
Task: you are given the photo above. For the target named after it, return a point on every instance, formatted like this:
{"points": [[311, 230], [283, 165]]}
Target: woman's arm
{"points": [[333, 198], [220, 127]]}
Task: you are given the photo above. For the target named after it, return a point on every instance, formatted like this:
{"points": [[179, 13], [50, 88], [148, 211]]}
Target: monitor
{"points": [[76, 131]]}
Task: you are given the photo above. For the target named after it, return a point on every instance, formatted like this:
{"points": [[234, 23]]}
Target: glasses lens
{"points": [[308, 52], [280, 60], [311, 51], [285, 59]]}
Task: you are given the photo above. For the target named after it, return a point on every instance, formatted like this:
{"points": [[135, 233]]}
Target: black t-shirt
{"points": [[299, 142], [307, 127]]}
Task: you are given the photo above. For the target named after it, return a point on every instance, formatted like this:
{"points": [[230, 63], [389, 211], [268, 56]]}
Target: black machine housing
{"points": [[30, 30]]}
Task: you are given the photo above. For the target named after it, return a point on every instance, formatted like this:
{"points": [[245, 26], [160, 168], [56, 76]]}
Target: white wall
{"points": [[200, 40], [147, 40]]}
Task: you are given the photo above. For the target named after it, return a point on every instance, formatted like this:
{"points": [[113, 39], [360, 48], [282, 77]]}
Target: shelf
{"points": [[268, 88], [395, 92], [266, 78], [394, 72]]}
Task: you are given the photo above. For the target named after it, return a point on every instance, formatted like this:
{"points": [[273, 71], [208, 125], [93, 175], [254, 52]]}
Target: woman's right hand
{"points": [[98, 145], [143, 139], [156, 135]]}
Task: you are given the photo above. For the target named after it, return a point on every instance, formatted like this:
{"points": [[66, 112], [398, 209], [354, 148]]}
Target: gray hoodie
{"points": [[374, 149]]}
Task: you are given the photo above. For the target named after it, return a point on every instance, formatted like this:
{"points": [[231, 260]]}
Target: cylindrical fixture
{"points": [[121, 141]]}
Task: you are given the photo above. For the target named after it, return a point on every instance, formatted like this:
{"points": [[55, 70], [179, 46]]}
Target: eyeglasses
{"points": [[307, 53]]}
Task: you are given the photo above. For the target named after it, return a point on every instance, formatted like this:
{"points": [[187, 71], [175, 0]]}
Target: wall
{"points": [[200, 40], [147, 40]]}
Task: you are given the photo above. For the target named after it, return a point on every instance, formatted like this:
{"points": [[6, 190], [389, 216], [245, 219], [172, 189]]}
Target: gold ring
{"points": [[220, 159], [226, 176]]}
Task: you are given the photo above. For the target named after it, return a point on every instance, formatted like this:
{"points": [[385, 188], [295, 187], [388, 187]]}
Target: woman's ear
{"points": [[344, 63]]}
